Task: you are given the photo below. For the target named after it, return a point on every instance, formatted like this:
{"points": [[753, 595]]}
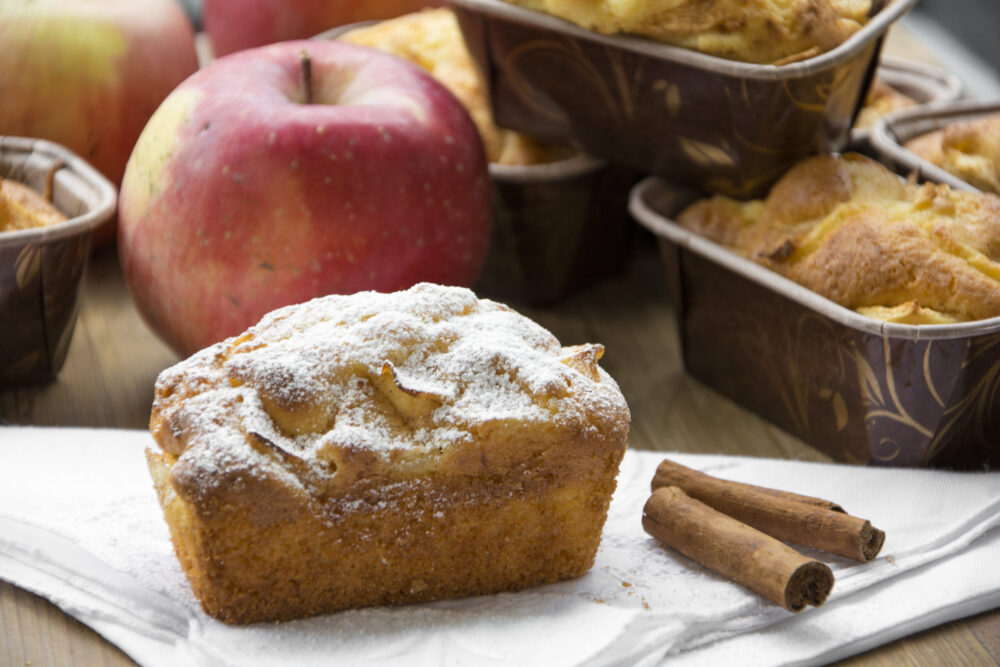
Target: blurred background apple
{"points": [[88, 74], [232, 25]]}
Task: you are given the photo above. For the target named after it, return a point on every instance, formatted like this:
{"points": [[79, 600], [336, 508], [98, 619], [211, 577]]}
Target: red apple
{"points": [[232, 25], [241, 197], [88, 75]]}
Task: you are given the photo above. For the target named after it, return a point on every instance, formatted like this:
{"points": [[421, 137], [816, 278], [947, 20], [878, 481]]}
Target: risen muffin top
{"points": [[968, 149], [754, 31], [851, 230], [23, 208]]}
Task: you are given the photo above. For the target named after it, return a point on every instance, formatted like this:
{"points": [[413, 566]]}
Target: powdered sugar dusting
{"points": [[413, 371]]}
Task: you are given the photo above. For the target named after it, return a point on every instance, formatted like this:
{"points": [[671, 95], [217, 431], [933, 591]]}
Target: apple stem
{"points": [[306, 63]]}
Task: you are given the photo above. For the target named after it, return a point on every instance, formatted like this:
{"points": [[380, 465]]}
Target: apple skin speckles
{"points": [[374, 201]]}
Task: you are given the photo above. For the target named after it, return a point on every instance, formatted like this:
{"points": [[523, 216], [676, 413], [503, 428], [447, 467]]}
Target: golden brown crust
{"points": [[432, 39], [380, 449], [23, 208], [423, 543], [881, 100], [970, 150], [756, 31], [847, 228]]}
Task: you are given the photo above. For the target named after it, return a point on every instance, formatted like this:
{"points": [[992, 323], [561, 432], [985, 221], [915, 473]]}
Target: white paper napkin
{"points": [[79, 525]]}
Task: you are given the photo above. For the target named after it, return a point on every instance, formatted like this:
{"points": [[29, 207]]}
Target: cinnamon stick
{"points": [[788, 516], [671, 473], [735, 550]]}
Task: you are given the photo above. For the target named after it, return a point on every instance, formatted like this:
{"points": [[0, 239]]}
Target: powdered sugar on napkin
{"points": [[79, 524]]}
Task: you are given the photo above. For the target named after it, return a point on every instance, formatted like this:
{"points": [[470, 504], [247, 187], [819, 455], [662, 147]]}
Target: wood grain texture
{"points": [[950, 645], [114, 359], [35, 633], [986, 628]]}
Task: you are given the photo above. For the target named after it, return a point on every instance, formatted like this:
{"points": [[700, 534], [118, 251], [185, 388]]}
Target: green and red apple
{"points": [[256, 185], [88, 74], [233, 25]]}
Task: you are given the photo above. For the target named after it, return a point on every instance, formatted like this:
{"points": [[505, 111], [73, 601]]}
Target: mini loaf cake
{"points": [[384, 449], [754, 31], [968, 149], [432, 39], [851, 230]]}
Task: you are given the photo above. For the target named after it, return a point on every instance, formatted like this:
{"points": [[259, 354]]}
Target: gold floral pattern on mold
{"points": [[877, 406], [618, 97], [671, 93], [891, 410], [977, 415], [28, 266]]}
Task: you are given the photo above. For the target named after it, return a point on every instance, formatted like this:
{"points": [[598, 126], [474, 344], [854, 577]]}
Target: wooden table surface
{"points": [[108, 377]]}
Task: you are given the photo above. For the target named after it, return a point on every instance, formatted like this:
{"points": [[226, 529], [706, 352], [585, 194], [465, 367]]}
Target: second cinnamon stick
{"points": [[801, 519], [737, 551]]}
